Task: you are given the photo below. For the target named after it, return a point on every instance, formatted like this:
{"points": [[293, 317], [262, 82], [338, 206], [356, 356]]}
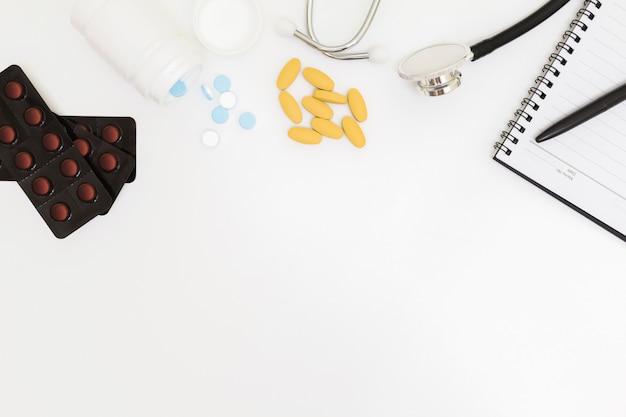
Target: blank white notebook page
{"points": [[586, 166]]}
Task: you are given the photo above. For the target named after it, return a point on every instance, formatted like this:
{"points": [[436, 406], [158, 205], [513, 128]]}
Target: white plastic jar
{"points": [[141, 43]]}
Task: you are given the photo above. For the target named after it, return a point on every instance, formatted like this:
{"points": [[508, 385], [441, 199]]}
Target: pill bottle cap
{"points": [[227, 27]]}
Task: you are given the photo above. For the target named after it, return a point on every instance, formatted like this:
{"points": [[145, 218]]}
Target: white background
{"points": [[413, 277]]}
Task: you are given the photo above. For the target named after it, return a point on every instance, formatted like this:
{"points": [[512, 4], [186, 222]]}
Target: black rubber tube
{"points": [[535, 19]]}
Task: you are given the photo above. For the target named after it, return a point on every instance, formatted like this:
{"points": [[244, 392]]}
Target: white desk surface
{"points": [[264, 278]]}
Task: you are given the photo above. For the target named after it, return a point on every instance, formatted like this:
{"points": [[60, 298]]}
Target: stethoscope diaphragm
{"points": [[436, 69]]}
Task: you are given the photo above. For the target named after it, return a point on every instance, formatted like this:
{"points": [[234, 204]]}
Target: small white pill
{"points": [[228, 100], [210, 138]]}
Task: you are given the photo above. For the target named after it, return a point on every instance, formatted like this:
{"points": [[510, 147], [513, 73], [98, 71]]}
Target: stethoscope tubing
{"points": [[489, 45]]}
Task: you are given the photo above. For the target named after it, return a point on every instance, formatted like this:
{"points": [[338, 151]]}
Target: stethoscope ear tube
{"points": [[487, 46], [376, 54]]}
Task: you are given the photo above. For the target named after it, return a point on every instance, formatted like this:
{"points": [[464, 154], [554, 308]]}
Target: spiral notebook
{"points": [[585, 168]]}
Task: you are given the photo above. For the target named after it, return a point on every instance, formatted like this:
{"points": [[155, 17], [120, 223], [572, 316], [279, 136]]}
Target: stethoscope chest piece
{"points": [[436, 69]]}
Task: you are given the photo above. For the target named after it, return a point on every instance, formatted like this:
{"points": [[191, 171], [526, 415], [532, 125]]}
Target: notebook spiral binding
{"points": [[545, 81]]}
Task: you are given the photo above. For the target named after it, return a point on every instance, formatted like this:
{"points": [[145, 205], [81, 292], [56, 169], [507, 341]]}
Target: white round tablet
{"points": [[227, 26], [228, 100], [210, 138]]}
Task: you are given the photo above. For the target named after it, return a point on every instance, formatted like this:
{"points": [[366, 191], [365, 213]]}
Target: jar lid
{"points": [[227, 26]]}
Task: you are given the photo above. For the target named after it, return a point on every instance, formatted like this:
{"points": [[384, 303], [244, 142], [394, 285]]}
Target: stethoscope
{"points": [[434, 69], [374, 54]]}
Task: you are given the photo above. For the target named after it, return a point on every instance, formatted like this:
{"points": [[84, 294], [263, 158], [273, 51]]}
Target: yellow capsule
{"points": [[353, 131], [317, 108], [326, 128], [288, 74], [318, 79], [305, 135], [290, 107], [330, 97], [357, 105]]}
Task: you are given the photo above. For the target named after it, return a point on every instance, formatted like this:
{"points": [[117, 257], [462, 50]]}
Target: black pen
{"points": [[585, 113]]}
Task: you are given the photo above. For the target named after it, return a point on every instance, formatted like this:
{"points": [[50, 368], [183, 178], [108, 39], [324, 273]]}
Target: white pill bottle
{"points": [[141, 43]]}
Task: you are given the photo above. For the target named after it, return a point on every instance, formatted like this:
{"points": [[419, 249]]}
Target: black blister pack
{"points": [[67, 188]]}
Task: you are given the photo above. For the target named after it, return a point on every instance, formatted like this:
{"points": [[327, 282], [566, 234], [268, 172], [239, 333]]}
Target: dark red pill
{"points": [[111, 133], [87, 192], [24, 160], [41, 186], [84, 127], [69, 168], [7, 134], [33, 116], [83, 146], [14, 90], [108, 162], [60, 212], [51, 142]]}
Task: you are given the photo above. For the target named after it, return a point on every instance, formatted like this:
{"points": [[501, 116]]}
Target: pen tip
{"points": [[542, 137]]}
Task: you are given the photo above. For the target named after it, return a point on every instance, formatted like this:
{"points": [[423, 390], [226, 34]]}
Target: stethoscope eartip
{"points": [[378, 54], [285, 27]]}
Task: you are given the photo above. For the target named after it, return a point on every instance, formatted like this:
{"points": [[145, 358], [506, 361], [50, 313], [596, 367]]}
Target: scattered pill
{"points": [[317, 108], [206, 93], [326, 128], [318, 79], [219, 115], [210, 138], [221, 83], [288, 74], [290, 107], [317, 104], [305, 135], [330, 97], [357, 105], [228, 100], [247, 120], [178, 89], [353, 131]]}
